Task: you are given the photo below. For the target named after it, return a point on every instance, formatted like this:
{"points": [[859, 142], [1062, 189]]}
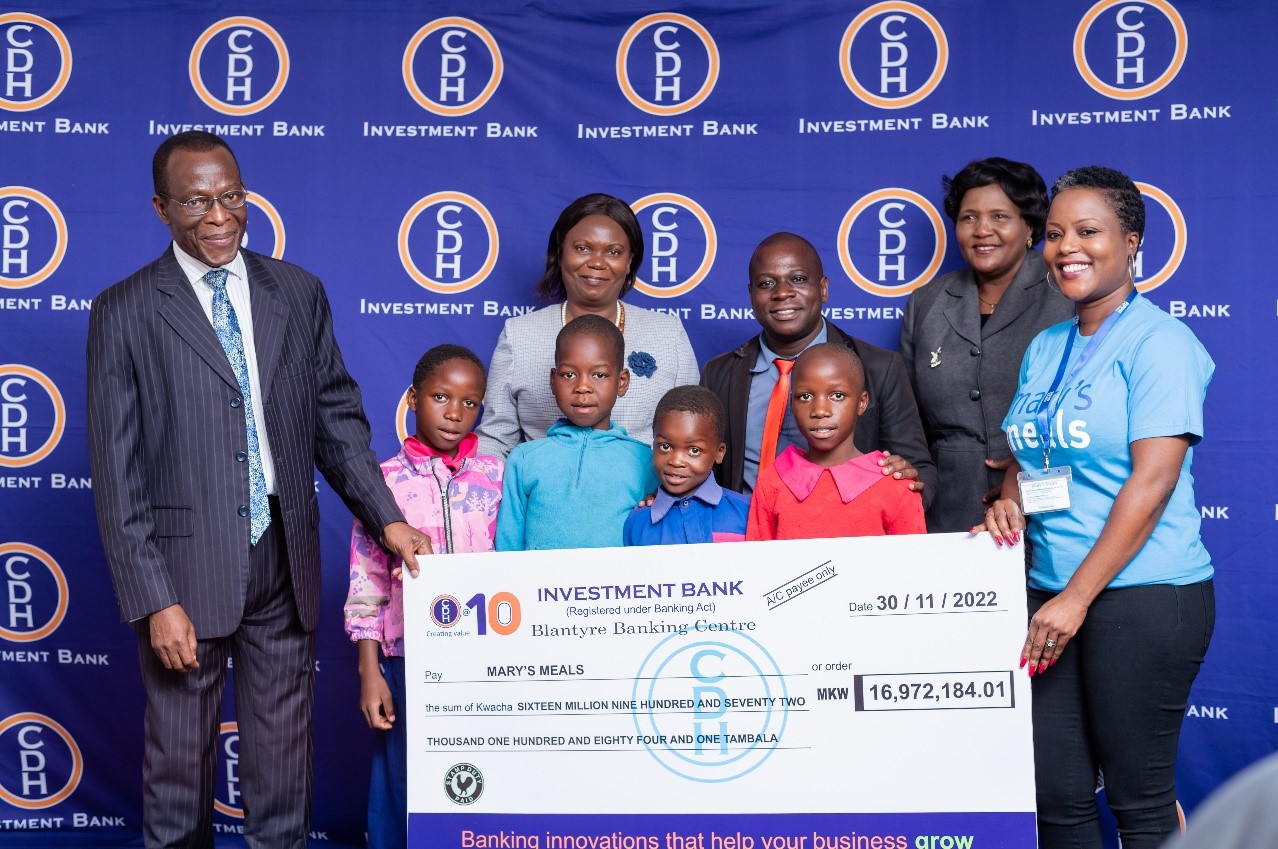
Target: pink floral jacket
{"points": [[457, 509]]}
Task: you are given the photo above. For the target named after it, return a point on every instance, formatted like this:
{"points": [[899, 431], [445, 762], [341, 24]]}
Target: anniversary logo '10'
{"points": [[36, 61]]}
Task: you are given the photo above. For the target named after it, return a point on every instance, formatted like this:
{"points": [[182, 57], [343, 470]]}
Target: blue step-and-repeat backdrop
{"points": [[415, 155]]}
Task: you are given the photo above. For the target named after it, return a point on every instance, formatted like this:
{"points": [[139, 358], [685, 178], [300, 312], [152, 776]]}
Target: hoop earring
{"points": [[1131, 268]]}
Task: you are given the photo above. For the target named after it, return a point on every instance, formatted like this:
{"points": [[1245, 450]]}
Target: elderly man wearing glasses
{"points": [[215, 387]]}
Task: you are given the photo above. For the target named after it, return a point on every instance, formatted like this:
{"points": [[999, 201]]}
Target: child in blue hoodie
{"points": [[575, 488]]}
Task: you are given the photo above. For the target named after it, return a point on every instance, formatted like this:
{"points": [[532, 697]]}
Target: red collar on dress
{"points": [[419, 452], [800, 475]]}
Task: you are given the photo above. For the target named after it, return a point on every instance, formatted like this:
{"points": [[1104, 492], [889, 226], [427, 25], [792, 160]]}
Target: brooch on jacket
{"points": [[936, 358], [641, 363]]}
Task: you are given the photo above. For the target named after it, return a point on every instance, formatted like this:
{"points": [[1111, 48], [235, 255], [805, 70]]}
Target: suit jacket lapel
{"points": [[270, 315], [182, 310], [963, 311], [1025, 290]]}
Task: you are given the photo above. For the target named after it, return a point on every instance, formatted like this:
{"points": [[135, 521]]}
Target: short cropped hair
{"points": [[785, 237], [598, 327], [194, 140], [440, 354], [839, 351], [551, 285], [699, 401], [1118, 190], [1020, 182]]}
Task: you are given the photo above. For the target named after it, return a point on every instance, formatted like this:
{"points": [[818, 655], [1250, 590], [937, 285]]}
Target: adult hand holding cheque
{"points": [[812, 694]]}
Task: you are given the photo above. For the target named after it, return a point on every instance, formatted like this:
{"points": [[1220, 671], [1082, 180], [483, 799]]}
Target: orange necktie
{"points": [[776, 414]]}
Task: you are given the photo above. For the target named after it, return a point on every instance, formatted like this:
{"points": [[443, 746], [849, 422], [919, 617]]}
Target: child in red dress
{"points": [[832, 490]]}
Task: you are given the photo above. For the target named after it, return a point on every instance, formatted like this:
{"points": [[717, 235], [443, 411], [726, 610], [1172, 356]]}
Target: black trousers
{"points": [[1115, 701], [274, 660]]}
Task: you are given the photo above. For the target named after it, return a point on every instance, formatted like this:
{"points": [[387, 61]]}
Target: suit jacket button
{"points": [[976, 350], [235, 403], [975, 394], [240, 456], [243, 511]]}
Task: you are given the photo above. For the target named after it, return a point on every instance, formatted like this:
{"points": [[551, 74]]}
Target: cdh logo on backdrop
{"points": [[226, 788], [682, 247], [1165, 238], [452, 66], [40, 763], [33, 237], [35, 593], [268, 209], [1129, 49], [880, 238], [37, 61], [893, 54], [667, 64], [239, 65], [457, 241], [32, 416]]}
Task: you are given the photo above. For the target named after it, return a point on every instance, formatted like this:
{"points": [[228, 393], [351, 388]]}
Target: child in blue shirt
{"points": [[688, 432], [575, 488]]}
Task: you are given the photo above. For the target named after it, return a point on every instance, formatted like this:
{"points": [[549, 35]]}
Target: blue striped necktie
{"points": [[227, 328]]}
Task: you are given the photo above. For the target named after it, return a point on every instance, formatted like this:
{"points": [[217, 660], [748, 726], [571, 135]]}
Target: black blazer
{"points": [[165, 422], [890, 423]]}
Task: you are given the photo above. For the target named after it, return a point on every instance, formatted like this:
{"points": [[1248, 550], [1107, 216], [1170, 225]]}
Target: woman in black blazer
{"points": [[965, 332]]}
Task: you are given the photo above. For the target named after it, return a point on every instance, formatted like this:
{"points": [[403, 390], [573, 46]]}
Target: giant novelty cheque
{"points": [[814, 694]]}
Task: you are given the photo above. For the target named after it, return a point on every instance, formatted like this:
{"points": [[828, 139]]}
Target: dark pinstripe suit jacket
{"points": [[165, 423]]}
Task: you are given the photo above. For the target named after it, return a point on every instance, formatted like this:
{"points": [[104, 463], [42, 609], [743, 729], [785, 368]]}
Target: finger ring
{"points": [[1051, 644]]}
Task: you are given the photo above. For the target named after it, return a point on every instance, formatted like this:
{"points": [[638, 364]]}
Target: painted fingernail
{"points": [[1023, 662], [1053, 661], [998, 540], [1031, 670]]}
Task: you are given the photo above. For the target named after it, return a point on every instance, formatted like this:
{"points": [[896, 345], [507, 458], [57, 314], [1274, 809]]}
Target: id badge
{"points": [[1044, 490]]}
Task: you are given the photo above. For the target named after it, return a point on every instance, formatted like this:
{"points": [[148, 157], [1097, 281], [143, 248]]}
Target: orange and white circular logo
{"points": [[36, 589], [667, 64], [1166, 235], [32, 416], [35, 61], [448, 242], [1129, 49], [452, 66], [894, 54], [42, 764], [682, 244], [891, 242], [33, 237], [239, 65], [278, 238]]}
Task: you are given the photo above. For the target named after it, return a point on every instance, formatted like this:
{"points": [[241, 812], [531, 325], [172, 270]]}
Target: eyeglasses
{"points": [[202, 205]]}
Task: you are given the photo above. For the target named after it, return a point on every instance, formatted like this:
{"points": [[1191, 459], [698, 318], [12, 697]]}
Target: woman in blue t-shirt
{"points": [[1103, 426]]}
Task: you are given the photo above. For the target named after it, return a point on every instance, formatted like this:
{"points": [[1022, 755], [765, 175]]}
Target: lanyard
{"points": [[1051, 404]]}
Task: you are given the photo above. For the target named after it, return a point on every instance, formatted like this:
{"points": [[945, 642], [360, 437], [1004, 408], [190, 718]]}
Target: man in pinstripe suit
{"points": [[195, 436]]}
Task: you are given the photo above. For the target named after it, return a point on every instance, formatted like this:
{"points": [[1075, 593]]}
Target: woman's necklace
{"points": [[982, 300], [619, 320]]}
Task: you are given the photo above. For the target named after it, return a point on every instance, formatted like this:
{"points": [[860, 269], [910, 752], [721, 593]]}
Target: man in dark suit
{"points": [[215, 388], [787, 288]]}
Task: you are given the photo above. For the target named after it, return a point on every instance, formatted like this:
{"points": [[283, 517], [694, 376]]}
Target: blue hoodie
{"points": [[573, 489]]}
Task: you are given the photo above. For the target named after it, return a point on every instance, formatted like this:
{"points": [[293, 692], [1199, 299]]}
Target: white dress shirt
{"points": [[237, 289]]}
